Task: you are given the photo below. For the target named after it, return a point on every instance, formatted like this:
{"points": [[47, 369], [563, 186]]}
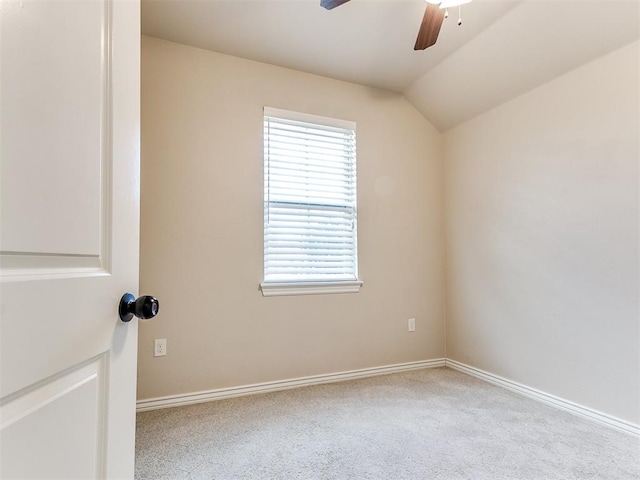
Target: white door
{"points": [[69, 200]]}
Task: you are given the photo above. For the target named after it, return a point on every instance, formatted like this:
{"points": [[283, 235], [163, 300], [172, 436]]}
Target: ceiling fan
{"points": [[434, 15]]}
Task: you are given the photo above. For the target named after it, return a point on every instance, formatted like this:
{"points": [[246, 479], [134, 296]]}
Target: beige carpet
{"points": [[425, 424]]}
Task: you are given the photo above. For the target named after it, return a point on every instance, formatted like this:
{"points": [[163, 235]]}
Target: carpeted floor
{"points": [[419, 425]]}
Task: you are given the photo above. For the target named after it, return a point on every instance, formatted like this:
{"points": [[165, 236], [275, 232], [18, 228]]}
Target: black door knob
{"points": [[142, 307]]}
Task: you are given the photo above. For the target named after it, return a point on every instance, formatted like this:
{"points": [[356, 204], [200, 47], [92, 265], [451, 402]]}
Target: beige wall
{"points": [[202, 213], [541, 232], [542, 238]]}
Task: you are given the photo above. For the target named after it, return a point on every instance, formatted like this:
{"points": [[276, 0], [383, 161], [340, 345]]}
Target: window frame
{"points": [[308, 287]]}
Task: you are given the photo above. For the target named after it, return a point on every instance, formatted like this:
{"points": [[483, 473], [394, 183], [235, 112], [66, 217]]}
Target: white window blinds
{"points": [[309, 198]]}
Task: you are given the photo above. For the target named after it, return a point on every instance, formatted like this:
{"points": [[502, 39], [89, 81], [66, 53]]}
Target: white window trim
{"points": [[307, 117], [309, 288], [275, 289]]}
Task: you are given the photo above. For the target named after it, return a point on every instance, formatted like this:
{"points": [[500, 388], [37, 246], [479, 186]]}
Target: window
{"points": [[310, 221]]}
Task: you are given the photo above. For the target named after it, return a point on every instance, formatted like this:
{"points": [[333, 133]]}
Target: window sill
{"points": [[309, 288]]}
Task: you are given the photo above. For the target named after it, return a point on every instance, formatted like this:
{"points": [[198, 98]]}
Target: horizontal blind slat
{"points": [[296, 125], [311, 159], [305, 175], [289, 136]]}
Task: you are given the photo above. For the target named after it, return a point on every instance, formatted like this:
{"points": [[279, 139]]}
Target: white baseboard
{"points": [[222, 393], [552, 400]]}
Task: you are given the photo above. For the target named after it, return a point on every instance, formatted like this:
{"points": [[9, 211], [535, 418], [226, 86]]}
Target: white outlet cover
{"points": [[160, 347], [411, 324]]}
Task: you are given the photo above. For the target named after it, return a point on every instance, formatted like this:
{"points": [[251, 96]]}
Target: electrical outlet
{"points": [[411, 324], [160, 347]]}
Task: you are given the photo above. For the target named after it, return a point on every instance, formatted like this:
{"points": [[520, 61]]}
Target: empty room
{"points": [[497, 207], [378, 239]]}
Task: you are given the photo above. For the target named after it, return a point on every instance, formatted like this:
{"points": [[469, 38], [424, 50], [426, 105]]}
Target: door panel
{"points": [[69, 203], [39, 423], [52, 123]]}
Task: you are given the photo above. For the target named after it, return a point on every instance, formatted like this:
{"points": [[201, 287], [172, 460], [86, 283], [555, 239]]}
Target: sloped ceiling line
{"points": [[504, 48]]}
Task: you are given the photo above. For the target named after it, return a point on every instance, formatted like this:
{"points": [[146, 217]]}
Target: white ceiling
{"points": [[504, 47]]}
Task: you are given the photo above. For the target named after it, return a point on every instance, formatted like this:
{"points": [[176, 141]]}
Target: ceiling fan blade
{"points": [[430, 28], [329, 4]]}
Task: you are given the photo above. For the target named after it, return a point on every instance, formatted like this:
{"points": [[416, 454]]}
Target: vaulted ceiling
{"points": [[503, 48]]}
